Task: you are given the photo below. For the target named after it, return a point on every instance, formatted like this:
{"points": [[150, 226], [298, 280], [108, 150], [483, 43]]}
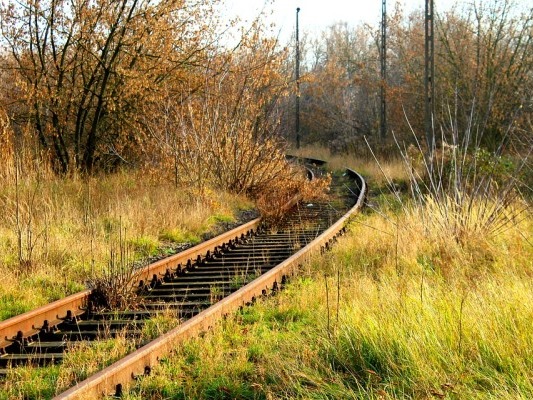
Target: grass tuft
{"points": [[67, 227]]}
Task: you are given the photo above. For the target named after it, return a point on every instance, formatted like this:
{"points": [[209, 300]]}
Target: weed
{"points": [[215, 294], [30, 383], [114, 288], [178, 235], [275, 196], [144, 246], [160, 324], [75, 220], [86, 358]]}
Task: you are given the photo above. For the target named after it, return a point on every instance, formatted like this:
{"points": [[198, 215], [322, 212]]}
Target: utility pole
{"points": [[297, 82], [429, 78], [383, 58]]}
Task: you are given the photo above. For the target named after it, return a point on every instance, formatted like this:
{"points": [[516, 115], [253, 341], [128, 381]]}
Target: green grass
{"points": [[410, 316], [220, 218], [156, 326], [144, 246], [178, 235], [396, 310], [10, 305], [30, 384]]}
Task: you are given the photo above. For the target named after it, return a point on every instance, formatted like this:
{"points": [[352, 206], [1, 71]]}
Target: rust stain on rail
{"points": [[159, 267], [137, 363], [29, 323]]}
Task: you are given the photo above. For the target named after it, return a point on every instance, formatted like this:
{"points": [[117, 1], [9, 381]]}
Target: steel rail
{"points": [[31, 322], [160, 267], [23, 325], [112, 380]]}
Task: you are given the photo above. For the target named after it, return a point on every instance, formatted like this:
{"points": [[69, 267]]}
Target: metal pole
{"points": [[383, 119], [297, 82], [429, 75]]}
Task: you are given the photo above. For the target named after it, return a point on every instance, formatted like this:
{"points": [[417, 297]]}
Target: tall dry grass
{"points": [[392, 170], [401, 308], [57, 232], [430, 316]]}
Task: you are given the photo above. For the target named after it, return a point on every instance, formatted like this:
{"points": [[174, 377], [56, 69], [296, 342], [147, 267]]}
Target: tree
{"points": [[339, 100], [84, 68], [483, 79], [226, 131], [487, 69]]}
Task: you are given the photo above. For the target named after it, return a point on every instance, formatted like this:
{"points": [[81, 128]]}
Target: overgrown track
{"points": [[199, 285]]}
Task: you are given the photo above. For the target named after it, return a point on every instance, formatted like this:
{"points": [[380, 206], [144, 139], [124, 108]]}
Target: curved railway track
{"points": [[200, 285]]}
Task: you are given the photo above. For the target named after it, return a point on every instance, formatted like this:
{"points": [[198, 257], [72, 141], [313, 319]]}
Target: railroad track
{"points": [[199, 285]]}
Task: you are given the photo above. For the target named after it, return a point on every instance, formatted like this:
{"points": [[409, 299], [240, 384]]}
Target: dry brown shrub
{"points": [[277, 196], [114, 288], [316, 189]]}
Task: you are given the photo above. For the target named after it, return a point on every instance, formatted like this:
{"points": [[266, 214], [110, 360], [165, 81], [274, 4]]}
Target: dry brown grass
{"points": [[407, 315], [392, 170], [276, 195], [61, 230]]}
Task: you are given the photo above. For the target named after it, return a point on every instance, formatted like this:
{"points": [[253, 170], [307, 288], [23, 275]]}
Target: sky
{"points": [[316, 15]]}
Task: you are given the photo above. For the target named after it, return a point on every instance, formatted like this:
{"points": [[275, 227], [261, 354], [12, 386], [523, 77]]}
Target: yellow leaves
{"points": [[109, 58], [213, 123]]}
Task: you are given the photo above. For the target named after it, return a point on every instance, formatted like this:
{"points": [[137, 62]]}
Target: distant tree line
{"points": [[483, 79], [88, 86]]}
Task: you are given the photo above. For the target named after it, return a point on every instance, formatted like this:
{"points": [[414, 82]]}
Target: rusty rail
{"points": [[30, 323], [160, 267], [112, 380], [46, 317], [23, 325]]}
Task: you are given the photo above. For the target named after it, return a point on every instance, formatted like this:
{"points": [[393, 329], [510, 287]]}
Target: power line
{"points": [[383, 115]]}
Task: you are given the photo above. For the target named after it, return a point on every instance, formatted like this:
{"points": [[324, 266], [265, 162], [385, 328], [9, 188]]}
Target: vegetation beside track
{"points": [[398, 309], [394, 311], [389, 313], [64, 230]]}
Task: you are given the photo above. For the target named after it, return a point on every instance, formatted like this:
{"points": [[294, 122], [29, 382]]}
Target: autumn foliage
{"points": [[92, 86], [483, 74]]}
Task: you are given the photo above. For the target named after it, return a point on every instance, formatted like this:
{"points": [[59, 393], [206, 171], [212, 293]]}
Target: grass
{"points": [[399, 309], [67, 226], [82, 360], [394, 168], [405, 315], [178, 235]]}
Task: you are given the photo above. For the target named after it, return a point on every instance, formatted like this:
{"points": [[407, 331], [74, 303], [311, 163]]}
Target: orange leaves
{"points": [[89, 66], [223, 130], [484, 70]]}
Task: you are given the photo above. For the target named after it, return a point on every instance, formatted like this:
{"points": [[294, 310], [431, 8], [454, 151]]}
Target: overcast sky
{"points": [[315, 15]]}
